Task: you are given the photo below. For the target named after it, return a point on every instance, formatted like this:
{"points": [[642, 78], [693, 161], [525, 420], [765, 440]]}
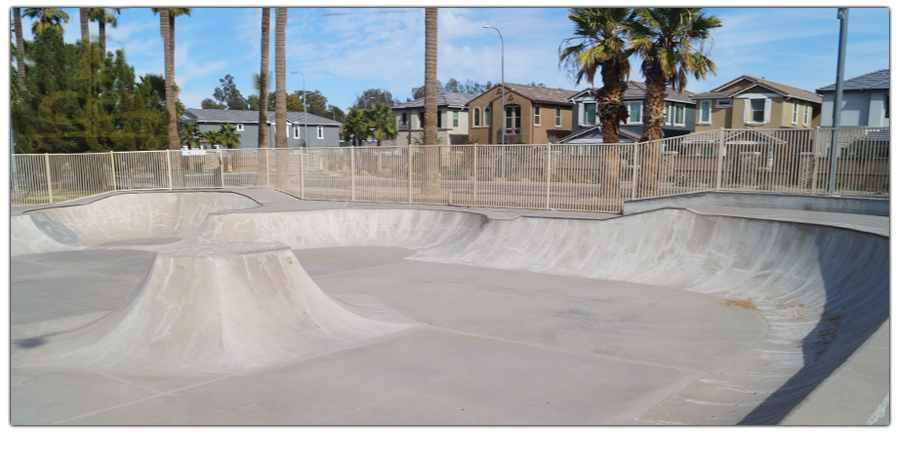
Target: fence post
{"points": [[409, 174], [815, 156], [49, 180], [634, 169], [112, 162], [169, 168], [302, 171], [547, 207], [352, 174], [720, 158], [221, 167], [268, 183], [475, 174], [832, 160]]}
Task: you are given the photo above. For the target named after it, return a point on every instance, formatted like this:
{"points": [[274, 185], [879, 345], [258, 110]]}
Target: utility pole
{"points": [[843, 15]]}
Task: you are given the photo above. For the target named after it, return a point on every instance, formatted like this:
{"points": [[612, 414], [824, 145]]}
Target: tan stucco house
{"points": [[533, 114], [750, 102]]}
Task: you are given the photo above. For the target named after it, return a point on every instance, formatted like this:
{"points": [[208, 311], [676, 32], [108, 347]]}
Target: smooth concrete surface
{"points": [[665, 317], [804, 202]]}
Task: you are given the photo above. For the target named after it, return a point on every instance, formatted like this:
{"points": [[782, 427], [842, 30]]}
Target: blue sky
{"points": [[361, 48]]}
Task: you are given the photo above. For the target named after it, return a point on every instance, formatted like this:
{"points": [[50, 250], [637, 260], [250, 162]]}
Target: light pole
{"points": [[502, 108], [843, 15], [305, 121]]}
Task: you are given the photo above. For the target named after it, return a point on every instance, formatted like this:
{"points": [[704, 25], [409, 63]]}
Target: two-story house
{"points": [[864, 102], [322, 131], [680, 114], [752, 102], [532, 114], [453, 119]]}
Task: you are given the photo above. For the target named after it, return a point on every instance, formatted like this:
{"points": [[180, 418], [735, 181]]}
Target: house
{"points": [[595, 135], [752, 102], [322, 131], [453, 119], [547, 113], [680, 114], [865, 101]]}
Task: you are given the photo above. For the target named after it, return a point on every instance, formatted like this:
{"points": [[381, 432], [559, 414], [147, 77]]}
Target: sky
{"points": [[344, 51]]}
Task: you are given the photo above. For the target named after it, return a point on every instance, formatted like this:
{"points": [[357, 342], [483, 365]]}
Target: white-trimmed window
{"points": [[296, 132], [513, 119], [559, 115], [667, 114], [806, 114], [537, 115], [487, 116], [705, 112], [455, 119], [758, 110], [476, 117], [634, 112], [239, 127], [590, 114], [723, 103], [796, 113], [403, 119], [678, 114], [320, 132]]}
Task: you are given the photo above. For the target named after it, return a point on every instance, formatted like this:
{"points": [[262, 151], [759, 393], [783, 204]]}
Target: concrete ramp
{"points": [[229, 306], [122, 218]]}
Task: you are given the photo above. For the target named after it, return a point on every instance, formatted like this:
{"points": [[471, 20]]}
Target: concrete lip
{"points": [[402, 316]]}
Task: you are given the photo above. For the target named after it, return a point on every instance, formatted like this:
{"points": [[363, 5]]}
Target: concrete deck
{"points": [[725, 316]]}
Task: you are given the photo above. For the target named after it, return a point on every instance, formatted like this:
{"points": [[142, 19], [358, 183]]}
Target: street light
{"points": [[502, 108], [305, 122]]}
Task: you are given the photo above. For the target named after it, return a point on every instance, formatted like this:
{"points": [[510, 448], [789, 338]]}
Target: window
{"points": [[476, 117], [806, 110], [723, 103], [296, 132], [758, 110], [455, 119], [439, 115], [513, 119], [704, 112], [667, 119], [421, 119], [590, 114], [634, 112], [558, 117], [240, 127], [403, 119], [679, 115], [487, 116], [887, 106], [796, 113], [537, 115], [320, 132]]}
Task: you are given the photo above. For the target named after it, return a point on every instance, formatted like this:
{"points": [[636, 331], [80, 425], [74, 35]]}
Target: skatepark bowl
{"points": [[253, 307]]}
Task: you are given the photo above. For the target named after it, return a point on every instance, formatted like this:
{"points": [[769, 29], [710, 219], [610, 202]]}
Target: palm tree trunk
{"points": [[263, 137], [164, 25], [612, 111], [85, 33], [432, 154], [102, 24], [654, 106], [281, 155], [20, 49]]}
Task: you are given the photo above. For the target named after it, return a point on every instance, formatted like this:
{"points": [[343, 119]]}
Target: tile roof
{"points": [[724, 91], [251, 116], [445, 99], [638, 90], [542, 94], [878, 80]]}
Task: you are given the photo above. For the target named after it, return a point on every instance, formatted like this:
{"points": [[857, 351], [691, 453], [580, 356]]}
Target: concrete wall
{"points": [[875, 207]]}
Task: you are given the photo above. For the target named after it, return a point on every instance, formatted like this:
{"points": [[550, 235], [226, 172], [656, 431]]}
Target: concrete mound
{"points": [[120, 218], [228, 306]]}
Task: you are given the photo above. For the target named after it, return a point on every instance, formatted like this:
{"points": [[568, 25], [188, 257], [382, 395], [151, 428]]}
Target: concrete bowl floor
{"points": [[714, 320]]}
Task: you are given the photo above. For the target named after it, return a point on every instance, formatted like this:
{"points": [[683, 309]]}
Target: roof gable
{"points": [[444, 98]]}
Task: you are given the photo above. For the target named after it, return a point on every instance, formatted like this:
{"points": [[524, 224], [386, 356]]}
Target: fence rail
{"points": [[582, 177]]}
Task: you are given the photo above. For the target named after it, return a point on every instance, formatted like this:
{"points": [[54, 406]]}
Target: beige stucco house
{"points": [[750, 102], [533, 114]]}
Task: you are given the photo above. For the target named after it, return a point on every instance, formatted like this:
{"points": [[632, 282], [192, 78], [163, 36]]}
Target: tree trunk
{"points": [[85, 30], [432, 154], [102, 38], [281, 154], [263, 137], [171, 99], [654, 106], [20, 49], [612, 111]]}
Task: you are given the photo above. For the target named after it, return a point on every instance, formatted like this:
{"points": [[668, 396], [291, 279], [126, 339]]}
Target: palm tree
{"points": [[47, 18], [104, 16], [167, 29], [599, 44], [20, 49], [671, 42], [263, 86], [189, 134], [356, 126], [382, 119], [281, 155], [85, 34], [212, 137], [432, 154]]}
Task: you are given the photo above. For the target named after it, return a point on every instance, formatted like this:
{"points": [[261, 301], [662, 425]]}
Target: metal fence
{"points": [[582, 177]]}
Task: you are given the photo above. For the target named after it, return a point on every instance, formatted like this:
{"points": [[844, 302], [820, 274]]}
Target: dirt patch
{"points": [[746, 304]]}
